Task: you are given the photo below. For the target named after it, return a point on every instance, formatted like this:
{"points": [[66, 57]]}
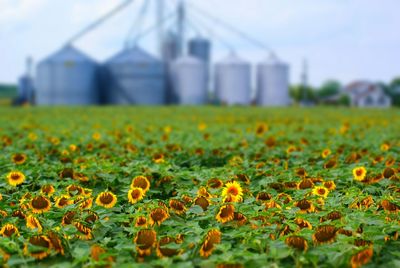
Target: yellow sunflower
{"points": [[226, 213], [325, 153], [135, 194], [157, 216], [15, 178], [141, 182], [9, 230], [213, 237], [320, 191], [41, 244], [359, 173], [48, 189], [106, 199], [40, 204], [232, 192], [145, 240], [177, 206], [33, 223], [324, 234], [63, 201], [297, 242], [19, 159]]}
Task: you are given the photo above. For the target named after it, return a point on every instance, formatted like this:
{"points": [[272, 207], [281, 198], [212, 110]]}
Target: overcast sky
{"points": [[341, 39]]}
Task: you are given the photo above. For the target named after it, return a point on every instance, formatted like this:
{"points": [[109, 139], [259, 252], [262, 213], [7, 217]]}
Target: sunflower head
{"points": [[9, 230], [48, 189], [361, 258], [330, 185], [226, 213], [38, 246], [106, 199], [297, 242], [158, 215], [359, 173], [145, 240], [232, 192], [135, 194], [33, 223], [162, 247], [202, 202], [212, 237], [15, 178], [63, 201], [324, 234], [177, 206], [40, 204], [141, 182], [18, 158], [141, 221], [320, 191], [325, 153]]}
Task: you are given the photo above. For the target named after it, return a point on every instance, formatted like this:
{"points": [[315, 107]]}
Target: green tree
{"points": [[329, 88]]}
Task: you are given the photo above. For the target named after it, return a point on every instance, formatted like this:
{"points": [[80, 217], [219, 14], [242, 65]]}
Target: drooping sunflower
{"points": [[158, 158], [385, 146], [84, 202], [8, 230], [306, 184], [177, 206], [55, 242], [162, 247], [215, 183], [320, 191], [135, 194], [302, 223], [106, 199], [330, 185], [18, 158], [97, 253], [15, 178], [42, 247], [33, 223], [305, 206], [389, 206], [63, 201], [297, 242], [232, 192], [85, 233], [324, 234], [141, 182], [359, 173], [202, 202], [48, 189], [226, 213], [40, 204], [361, 258], [141, 221], [388, 172], [145, 240], [68, 217], [213, 237], [158, 216]]}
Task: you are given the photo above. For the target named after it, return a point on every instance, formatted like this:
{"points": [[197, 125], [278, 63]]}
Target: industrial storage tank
{"points": [[233, 81], [200, 48], [135, 77], [272, 83], [68, 77], [189, 80]]}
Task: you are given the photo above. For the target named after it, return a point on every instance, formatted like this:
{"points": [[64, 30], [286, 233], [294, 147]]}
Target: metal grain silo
{"points": [[68, 77], [189, 80], [200, 48], [135, 77], [233, 81], [272, 83]]}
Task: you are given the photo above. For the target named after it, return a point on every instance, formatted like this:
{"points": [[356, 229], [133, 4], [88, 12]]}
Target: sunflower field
{"points": [[199, 187]]}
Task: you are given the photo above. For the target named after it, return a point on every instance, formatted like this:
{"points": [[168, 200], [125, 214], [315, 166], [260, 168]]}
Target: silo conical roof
{"points": [[69, 53], [135, 54]]}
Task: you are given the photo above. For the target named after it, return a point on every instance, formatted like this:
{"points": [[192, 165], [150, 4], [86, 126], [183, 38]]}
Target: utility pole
{"points": [[181, 27], [304, 82]]}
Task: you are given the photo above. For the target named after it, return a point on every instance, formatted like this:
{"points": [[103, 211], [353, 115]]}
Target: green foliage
{"points": [[262, 149]]}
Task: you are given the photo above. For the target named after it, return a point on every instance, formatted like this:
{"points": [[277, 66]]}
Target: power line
{"points": [[229, 27], [100, 21]]}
